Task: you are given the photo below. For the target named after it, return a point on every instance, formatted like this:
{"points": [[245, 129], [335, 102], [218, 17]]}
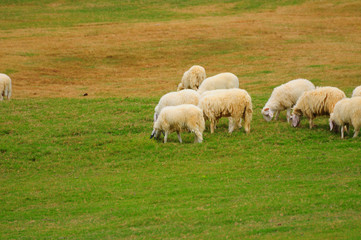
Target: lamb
{"points": [[192, 78], [347, 111], [234, 103], [5, 86], [219, 81], [186, 96], [178, 118], [320, 101], [284, 97], [357, 92]]}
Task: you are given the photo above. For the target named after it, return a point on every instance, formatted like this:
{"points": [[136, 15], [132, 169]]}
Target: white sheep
{"points": [[5, 86], [318, 102], [347, 111], [234, 103], [192, 78], [186, 96], [284, 97], [219, 81], [178, 118], [356, 92]]}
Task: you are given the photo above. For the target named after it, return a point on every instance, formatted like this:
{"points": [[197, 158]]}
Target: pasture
{"points": [[83, 167]]}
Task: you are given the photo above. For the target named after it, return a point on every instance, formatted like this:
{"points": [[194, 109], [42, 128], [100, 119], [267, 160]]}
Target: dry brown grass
{"points": [[319, 41]]}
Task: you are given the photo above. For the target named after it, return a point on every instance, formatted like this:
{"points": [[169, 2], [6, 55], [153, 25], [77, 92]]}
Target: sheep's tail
{"points": [[247, 117]]}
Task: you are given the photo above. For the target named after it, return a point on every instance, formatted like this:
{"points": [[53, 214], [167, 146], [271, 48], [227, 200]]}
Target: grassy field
{"points": [[74, 167]]}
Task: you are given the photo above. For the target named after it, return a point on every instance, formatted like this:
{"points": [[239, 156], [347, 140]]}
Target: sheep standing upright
{"points": [[186, 96], [235, 103], [356, 92], [5, 86], [347, 111], [284, 97], [192, 78], [219, 81], [318, 102], [178, 118]]}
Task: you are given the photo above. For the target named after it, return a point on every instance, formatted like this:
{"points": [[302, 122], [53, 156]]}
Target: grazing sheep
{"points": [[284, 97], [357, 92], [235, 103], [186, 96], [219, 81], [178, 118], [192, 78], [5, 86], [320, 101], [347, 111]]}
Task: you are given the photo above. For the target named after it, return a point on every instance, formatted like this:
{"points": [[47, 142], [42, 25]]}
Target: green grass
{"points": [[86, 169], [47, 13]]}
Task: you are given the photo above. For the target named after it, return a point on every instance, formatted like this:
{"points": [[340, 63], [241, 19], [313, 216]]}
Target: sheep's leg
{"points": [[230, 125], [165, 136], [198, 137], [311, 123], [356, 132], [9, 94], [212, 125], [215, 124], [179, 137], [288, 114], [342, 131], [277, 114]]}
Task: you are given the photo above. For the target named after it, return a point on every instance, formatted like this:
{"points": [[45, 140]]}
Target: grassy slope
{"points": [[79, 168], [86, 169], [46, 13]]}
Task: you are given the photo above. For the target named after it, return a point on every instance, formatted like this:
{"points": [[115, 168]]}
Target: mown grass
{"points": [[86, 169]]}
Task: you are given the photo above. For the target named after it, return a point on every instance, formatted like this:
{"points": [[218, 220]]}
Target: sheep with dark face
{"points": [[347, 111], [318, 102], [177, 119], [285, 97]]}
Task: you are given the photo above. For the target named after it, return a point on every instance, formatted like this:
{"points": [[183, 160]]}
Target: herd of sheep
{"points": [[198, 99]]}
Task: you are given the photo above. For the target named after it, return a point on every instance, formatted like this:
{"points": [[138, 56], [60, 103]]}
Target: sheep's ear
{"points": [[270, 114], [266, 109]]}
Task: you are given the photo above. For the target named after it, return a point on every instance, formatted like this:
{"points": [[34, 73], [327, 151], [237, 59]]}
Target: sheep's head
{"points": [[333, 125], [180, 87], [295, 120], [155, 134], [267, 114]]}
